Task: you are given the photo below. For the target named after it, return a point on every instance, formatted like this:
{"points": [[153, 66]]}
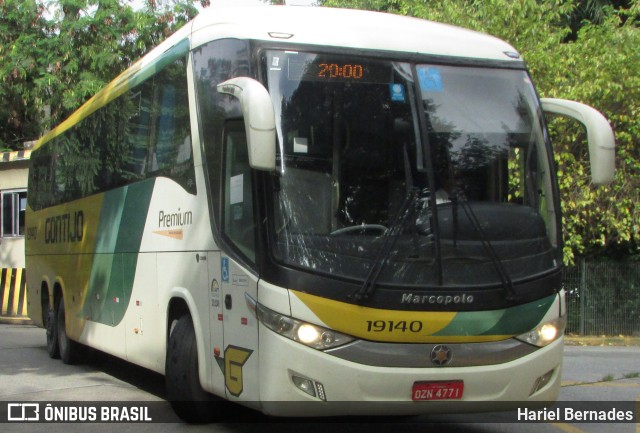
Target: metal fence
{"points": [[603, 298]]}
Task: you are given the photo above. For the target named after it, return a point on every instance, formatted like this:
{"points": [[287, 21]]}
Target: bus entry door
{"points": [[239, 359]]}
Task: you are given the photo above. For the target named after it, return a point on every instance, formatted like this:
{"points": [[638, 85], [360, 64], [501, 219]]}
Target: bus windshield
{"points": [[441, 172]]}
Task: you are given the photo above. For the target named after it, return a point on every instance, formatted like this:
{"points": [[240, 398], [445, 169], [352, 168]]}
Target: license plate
{"points": [[439, 390]]}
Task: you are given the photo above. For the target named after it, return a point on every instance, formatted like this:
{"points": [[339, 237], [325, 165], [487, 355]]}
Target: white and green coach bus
{"points": [[293, 204]]}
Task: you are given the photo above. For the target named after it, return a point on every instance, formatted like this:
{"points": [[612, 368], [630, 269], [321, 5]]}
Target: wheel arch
{"points": [[180, 303], [50, 296], [45, 302]]}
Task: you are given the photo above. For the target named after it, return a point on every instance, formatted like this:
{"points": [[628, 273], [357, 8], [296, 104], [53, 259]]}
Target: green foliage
{"points": [[22, 32], [600, 68], [596, 63], [51, 63]]}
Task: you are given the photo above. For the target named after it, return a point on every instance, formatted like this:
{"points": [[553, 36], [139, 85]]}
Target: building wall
{"points": [[14, 170]]}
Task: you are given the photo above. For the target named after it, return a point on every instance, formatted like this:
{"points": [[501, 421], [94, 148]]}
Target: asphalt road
{"points": [[591, 374]]}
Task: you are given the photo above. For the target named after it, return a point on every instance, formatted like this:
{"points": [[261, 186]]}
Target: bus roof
{"points": [[347, 28], [357, 29]]}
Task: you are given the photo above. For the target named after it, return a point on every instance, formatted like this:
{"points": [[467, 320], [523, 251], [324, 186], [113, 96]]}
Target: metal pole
{"points": [[583, 292]]}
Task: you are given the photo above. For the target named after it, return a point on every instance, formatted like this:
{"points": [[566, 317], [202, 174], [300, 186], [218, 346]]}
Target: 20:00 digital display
{"points": [[335, 70], [310, 67]]}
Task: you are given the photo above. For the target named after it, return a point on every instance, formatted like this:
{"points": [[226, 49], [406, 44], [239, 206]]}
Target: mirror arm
{"points": [[259, 120], [599, 135]]}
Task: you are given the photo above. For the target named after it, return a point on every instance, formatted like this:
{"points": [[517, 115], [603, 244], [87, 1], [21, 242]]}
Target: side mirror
{"points": [[259, 120], [599, 135]]}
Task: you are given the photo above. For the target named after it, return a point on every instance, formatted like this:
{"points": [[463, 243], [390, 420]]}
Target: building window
{"points": [[14, 205]]}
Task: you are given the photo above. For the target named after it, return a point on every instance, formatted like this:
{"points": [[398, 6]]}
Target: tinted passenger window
{"points": [[224, 141], [143, 133]]}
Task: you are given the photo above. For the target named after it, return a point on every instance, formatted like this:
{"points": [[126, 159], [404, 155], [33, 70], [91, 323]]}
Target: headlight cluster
{"points": [[313, 336], [545, 333]]}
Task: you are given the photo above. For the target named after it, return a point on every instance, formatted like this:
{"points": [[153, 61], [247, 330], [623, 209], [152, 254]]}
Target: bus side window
{"points": [[213, 63], [170, 140], [238, 221]]}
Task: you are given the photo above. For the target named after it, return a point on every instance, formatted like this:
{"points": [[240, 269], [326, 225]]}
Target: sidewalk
{"points": [[603, 340]]}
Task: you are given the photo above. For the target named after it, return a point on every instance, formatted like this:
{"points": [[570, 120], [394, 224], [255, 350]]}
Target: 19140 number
{"points": [[394, 326]]}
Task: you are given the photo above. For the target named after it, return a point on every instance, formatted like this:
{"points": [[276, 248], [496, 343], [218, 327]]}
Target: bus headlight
{"points": [[310, 335], [545, 333]]}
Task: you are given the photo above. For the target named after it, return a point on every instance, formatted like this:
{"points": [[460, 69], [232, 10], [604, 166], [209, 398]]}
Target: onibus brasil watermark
{"points": [[74, 412]]}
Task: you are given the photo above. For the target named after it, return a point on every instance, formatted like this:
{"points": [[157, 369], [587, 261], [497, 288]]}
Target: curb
{"points": [[7, 320], [601, 340]]}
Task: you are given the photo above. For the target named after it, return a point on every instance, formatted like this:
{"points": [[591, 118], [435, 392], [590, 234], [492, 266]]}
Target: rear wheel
{"points": [[51, 326], [69, 349], [184, 392]]}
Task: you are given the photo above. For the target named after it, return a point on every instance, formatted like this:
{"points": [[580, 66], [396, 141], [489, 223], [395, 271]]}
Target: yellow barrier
{"points": [[13, 293]]}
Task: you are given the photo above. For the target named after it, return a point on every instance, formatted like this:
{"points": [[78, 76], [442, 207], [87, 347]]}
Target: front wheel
{"points": [[184, 392]]}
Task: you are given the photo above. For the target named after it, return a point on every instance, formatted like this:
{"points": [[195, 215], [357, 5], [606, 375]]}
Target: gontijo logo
{"points": [[64, 228]]}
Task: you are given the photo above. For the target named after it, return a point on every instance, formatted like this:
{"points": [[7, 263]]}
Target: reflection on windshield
{"points": [[479, 121], [358, 136]]}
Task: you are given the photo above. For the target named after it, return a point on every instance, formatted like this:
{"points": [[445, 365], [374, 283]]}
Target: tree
{"points": [[23, 28], [50, 65], [601, 69], [594, 12]]}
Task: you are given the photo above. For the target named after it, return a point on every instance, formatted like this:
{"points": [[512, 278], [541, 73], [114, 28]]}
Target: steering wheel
{"points": [[361, 228]]}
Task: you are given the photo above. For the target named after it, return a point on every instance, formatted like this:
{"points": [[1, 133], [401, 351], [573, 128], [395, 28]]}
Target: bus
{"points": [[282, 205]]}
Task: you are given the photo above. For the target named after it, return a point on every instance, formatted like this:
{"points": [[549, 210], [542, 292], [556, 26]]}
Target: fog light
{"points": [[304, 385], [541, 382]]}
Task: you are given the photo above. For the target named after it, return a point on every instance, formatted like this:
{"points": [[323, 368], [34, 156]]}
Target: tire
{"points": [[51, 325], [69, 349], [189, 401]]}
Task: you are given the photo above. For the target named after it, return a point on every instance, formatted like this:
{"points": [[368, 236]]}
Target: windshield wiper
{"points": [[405, 212], [458, 197]]}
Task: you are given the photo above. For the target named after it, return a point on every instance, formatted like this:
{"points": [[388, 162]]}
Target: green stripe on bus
{"points": [[122, 220], [509, 321], [523, 318]]}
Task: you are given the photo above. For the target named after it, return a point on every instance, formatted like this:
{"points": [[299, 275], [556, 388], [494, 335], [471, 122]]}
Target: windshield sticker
{"points": [[236, 186], [430, 79], [300, 145], [397, 92], [275, 64]]}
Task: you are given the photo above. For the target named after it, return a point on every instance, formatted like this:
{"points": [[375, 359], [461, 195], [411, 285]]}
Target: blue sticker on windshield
{"points": [[430, 79], [397, 92]]}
